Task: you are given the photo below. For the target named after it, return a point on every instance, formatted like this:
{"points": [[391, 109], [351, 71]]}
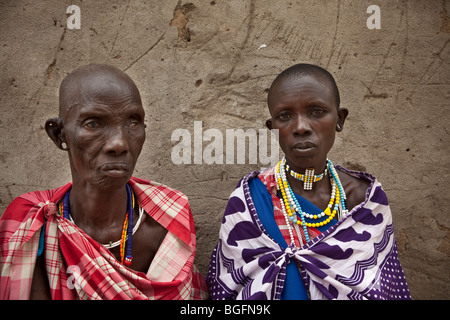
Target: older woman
{"points": [[306, 229], [106, 234]]}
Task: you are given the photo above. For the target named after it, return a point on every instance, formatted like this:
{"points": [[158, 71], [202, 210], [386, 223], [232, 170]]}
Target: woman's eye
{"points": [[133, 124], [284, 116], [317, 111], [92, 124]]}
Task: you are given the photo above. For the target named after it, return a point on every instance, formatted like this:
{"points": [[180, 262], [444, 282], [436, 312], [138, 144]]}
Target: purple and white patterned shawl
{"points": [[355, 259]]}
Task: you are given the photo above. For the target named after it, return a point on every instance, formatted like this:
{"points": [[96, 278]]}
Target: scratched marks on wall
{"points": [[291, 39]]}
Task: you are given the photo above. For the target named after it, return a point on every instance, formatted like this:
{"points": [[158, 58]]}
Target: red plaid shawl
{"points": [[78, 267]]}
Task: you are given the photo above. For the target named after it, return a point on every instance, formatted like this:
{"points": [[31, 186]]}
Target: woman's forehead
{"points": [[303, 87], [89, 89]]}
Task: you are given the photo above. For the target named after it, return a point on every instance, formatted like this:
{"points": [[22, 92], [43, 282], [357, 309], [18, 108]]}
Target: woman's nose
{"points": [[302, 126], [117, 142]]}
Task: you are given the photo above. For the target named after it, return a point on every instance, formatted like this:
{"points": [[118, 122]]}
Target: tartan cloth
{"points": [[78, 267], [355, 259]]}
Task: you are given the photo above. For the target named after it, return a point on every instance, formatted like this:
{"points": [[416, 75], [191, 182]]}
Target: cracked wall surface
{"points": [[213, 61]]}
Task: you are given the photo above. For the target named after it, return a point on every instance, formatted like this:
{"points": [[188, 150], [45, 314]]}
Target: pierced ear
{"points": [[342, 115], [54, 128], [269, 124]]}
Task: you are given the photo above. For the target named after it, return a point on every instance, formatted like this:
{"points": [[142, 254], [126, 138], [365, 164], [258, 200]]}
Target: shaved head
{"points": [[92, 79], [305, 69]]}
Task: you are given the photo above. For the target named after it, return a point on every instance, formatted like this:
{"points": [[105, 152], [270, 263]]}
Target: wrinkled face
{"points": [[305, 113], [104, 130]]}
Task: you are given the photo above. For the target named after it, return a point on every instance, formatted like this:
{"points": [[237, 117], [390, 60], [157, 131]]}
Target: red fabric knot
{"points": [[49, 209]]}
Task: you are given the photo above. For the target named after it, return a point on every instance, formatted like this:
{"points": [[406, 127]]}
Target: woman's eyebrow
{"points": [[94, 112]]}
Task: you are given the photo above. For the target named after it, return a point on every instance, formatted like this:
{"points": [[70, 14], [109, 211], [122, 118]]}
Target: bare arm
{"points": [[40, 289]]}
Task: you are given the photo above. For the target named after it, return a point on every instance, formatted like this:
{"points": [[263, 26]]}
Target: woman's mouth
{"points": [[115, 170], [304, 147]]}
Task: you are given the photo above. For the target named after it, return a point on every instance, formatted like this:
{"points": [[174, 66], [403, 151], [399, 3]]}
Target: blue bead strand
{"points": [[299, 208], [129, 241], [66, 205], [300, 212], [338, 183]]}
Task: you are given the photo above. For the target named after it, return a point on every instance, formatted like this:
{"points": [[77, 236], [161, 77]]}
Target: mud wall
{"points": [[210, 63]]}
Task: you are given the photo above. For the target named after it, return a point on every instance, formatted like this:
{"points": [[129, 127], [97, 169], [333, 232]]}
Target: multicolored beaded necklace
{"points": [[126, 240], [308, 178], [292, 210]]}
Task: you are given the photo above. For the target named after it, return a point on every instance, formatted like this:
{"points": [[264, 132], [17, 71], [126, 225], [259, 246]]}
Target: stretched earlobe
{"points": [[342, 115], [269, 124], [54, 128]]}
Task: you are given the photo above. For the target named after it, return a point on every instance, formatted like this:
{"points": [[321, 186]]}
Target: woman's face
{"points": [[104, 131], [304, 111]]}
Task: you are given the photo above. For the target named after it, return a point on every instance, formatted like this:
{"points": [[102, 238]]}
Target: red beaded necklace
{"points": [[126, 239]]}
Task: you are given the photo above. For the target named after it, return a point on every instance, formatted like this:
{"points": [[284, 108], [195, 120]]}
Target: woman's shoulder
{"points": [[355, 184]]}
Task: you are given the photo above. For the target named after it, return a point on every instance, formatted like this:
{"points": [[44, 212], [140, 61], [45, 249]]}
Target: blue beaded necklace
{"points": [[127, 233], [291, 207]]}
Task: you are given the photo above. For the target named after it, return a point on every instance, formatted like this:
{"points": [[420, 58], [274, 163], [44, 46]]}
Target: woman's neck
{"points": [[92, 207], [320, 191]]}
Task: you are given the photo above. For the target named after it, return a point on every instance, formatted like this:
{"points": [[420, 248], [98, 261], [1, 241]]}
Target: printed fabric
{"points": [[354, 259], [78, 267]]}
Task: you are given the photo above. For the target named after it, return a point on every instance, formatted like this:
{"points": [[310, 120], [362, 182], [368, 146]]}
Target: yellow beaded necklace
{"points": [[293, 210]]}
